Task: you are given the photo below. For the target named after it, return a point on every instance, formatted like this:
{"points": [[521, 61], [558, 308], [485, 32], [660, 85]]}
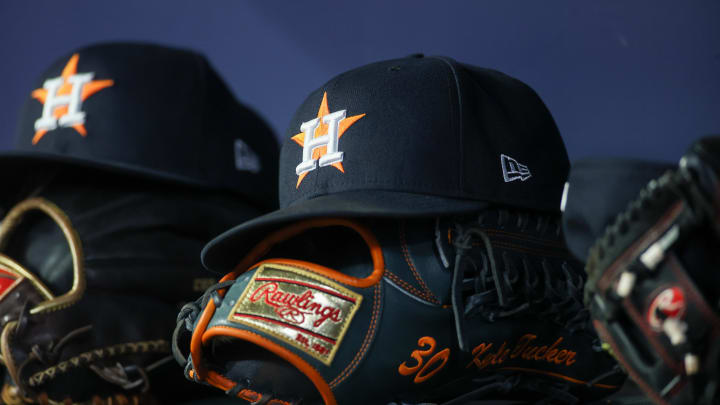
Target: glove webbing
{"points": [[511, 290], [693, 209]]}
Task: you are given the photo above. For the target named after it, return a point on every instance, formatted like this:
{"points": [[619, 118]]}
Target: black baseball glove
{"points": [[333, 311], [653, 287], [92, 274]]}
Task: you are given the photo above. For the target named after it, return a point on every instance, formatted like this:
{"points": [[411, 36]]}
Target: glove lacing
{"points": [[481, 289], [187, 317], [49, 356], [681, 185]]}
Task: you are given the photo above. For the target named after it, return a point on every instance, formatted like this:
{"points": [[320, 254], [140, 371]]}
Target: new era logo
{"points": [[513, 170], [245, 158]]}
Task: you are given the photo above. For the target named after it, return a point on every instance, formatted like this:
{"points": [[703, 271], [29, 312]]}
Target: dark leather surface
{"points": [[415, 303], [140, 243]]}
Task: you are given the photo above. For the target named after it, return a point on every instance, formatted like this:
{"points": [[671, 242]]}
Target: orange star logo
{"points": [[322, 130], [65, 90]]}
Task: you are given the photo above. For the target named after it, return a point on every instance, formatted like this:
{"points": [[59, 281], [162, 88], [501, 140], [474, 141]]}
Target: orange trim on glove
{"points": [[561, 376], [332, 274], [286, 233], [292, 358], [201, 335], [219, 381]]}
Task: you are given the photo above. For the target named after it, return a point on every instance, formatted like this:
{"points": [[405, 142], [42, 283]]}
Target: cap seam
{"points": [[461, 160]]}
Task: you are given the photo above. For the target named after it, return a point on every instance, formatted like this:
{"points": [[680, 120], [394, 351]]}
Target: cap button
{"points": [[416, 55]]}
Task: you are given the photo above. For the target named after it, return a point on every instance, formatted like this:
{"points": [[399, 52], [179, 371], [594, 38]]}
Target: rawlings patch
{"points": [[302, 308]]}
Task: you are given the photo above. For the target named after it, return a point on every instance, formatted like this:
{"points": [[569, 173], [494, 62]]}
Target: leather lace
{"points": [[186, 319], [188, 315], [129, 377], [493, 289], [494, 286]]}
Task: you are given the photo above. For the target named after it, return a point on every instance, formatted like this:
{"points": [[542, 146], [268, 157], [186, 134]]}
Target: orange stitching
{"points": [[526, 348], [313, 268], [294, 359], [220, 381], [366, 342], [409, 288], [423, 375], [288, 232], [250, 395], [421, 368], [418, 355], [406, 253], [558, 375]]}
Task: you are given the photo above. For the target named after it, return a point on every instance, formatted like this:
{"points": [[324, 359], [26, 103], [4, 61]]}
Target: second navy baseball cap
{"points": [[149, 110], [597, 190], [418, 136]]}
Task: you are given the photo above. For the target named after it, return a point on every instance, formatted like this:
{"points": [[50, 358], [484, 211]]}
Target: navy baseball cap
{"points": [[597, 190], [418, 136], [148, 110]]}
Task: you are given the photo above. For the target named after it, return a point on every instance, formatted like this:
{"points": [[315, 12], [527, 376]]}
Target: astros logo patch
{"points": [[319, 140], [62, 99], [299, 307]]}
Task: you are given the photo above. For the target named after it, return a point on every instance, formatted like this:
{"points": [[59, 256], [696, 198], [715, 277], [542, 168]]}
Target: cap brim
{"points": [[224, 252], [24, 160]]}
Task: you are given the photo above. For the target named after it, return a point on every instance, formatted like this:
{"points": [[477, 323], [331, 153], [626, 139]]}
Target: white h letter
{"points": [[311, 142], [73, 100]]}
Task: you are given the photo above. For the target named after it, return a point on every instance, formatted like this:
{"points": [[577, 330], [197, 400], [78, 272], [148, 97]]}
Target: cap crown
{"points": [[149, 109], [427, 126]]}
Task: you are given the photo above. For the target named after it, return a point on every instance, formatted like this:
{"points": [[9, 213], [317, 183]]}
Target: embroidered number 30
{"points": [[429, 369]]}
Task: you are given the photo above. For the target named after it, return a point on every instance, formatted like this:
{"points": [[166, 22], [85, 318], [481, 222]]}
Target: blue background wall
{"points": [[625, 78]]}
